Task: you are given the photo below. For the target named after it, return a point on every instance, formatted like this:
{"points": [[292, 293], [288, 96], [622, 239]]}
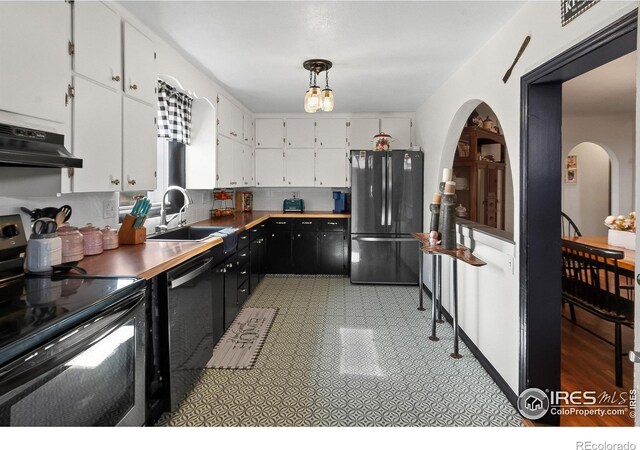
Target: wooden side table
{"points": [[460, 254]]}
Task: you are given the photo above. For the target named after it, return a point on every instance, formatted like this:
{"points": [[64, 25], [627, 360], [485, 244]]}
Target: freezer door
{"points": [[384, 260], [368, 192], [405, 197]]}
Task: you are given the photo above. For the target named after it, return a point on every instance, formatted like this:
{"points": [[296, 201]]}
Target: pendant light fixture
{"points": [[315, 99]]}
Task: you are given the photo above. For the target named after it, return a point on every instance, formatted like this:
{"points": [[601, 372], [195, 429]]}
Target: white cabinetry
{"points": [[331, 133], [229, 119], [247, 166], [361, 133], [139, 140], [98, 43], [300, 133], [34, 59], [230, 170], [299, 167], [400, 131], [247, 130], [331, 167], [140, 77], [269, 167], [269, 133]]}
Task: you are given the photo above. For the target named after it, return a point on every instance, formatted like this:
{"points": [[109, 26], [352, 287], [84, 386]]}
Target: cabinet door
{"points": [[140, 76], [139, 146], [217, 284], [34, 61], [238, 161], [247, 166], [305, 252], [400, 131], [231, 306], [269, 165], [331, 133], [332, 252], [331, 167], [97, 137], [361, 133], [254, 264], [237, 127], [224, 163], [97, 40], [300, 133], [269, 133], [227, 117], [299, 167], [279, 252], [247, 133]]}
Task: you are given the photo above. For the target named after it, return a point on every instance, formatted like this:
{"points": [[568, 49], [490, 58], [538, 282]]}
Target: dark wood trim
{"points": [[484, 362], [540, 187]]}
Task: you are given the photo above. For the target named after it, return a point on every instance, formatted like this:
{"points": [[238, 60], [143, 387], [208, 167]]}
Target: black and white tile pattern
{"points": [[347, 355]]}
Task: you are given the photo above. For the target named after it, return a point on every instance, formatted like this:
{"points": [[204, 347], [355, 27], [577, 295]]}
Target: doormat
{"points": [[240, 345]]}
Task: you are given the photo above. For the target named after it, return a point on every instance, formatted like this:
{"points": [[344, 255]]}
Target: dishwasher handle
{"points": [[177, 282]]}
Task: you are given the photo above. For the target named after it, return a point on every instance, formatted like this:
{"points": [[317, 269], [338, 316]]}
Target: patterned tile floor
{"points": [[347, 355]]}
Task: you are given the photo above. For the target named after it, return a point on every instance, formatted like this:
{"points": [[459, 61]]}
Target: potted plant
{"points": [[622, 230]]}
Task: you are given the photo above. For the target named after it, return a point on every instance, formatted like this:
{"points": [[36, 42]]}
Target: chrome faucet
{"points": [[163, 212]]}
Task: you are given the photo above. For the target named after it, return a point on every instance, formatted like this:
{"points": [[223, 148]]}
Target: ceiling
{"points": [[387, 56], [610, 88]]}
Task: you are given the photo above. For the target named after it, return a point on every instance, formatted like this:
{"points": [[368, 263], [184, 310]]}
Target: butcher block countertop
{"points": [[154, 257]]}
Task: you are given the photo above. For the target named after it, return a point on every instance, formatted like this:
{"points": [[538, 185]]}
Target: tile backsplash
{"points": [[315, 199]]}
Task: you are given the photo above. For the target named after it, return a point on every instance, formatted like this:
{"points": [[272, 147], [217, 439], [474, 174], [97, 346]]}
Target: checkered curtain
{"points": [[174, 114]]}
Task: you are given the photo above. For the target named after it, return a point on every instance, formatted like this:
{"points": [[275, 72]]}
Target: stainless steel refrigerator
{"points": [[386, 205]]}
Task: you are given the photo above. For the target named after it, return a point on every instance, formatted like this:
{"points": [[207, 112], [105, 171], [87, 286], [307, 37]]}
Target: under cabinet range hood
{"points": [[26, 147]]}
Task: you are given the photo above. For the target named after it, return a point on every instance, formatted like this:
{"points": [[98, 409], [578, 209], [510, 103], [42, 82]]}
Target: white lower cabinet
{"points": [[331, 167], [299, 167], [97, 137], [116, 138], [139, 140], [269, 164]]}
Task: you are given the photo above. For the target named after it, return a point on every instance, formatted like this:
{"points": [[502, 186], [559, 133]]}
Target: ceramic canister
{"points": [[72, 243], [92, 240], [43, 251], [109, 238]]}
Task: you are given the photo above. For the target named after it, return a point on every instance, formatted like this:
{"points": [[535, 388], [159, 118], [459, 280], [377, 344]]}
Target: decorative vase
{"points": [[624, 239]]}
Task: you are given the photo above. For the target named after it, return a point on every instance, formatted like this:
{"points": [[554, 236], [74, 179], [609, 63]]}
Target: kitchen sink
{"points": [[191, 233]]}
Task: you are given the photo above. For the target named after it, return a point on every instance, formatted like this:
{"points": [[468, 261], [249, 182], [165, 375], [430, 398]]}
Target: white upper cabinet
{"points": [[331, 133], [299, 167], [247, 166], [331, 167], [269, 163], [98, 43], [230, 119], [34, 59], [269, 134], [247, 130], [300, 133], [361, 133], [200, 158], [139, 138], [140, 77], [97, 138], [226, 176], [400, 131]]}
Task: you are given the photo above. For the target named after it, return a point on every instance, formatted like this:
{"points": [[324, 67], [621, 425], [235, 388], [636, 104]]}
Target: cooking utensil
{"points": [[67, 212], [49, 212], [34, 214], [60, 218], [44, 225], [64, 268]]}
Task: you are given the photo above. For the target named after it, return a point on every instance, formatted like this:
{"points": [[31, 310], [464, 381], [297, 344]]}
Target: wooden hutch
{"points": [[479, 172]]}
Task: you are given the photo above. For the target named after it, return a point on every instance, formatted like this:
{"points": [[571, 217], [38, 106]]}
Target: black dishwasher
{"points": [[189, 304]]}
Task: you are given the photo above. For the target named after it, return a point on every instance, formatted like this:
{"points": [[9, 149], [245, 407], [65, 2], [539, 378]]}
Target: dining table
{"points": [[627, 263]]}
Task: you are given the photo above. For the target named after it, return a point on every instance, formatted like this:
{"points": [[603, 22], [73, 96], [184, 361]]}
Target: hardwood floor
{"points": [[587, 364]]}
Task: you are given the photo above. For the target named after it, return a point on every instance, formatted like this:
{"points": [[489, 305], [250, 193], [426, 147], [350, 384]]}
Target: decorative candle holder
{"points": [[435, 217], [447, 225]]}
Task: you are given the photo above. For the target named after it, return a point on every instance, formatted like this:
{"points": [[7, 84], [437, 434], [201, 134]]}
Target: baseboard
{"points": [[484, 362]]}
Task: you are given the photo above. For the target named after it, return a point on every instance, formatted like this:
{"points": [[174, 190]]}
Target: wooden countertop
{"points": [[154, 257]]}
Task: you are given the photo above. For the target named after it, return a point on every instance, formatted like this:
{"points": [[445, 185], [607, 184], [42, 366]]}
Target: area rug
{"points": [[239, 347]]}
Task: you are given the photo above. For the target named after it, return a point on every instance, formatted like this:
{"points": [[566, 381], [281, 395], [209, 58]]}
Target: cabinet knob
{"points": [[132, 182], [321, 183], [258, 144], [289, 182], [133, 87], [229, 265], [289, 143], [116, 78], [116, 182]]}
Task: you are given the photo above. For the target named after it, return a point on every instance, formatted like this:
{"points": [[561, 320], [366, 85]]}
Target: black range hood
{"points": [[26, 147]]}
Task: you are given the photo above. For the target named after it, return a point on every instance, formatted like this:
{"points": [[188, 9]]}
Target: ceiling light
{"points": [[315, 99]]}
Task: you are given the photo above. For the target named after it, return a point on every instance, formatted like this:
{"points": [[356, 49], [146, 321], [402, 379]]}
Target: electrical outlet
{"points": [[108, 209], [296, 194]]}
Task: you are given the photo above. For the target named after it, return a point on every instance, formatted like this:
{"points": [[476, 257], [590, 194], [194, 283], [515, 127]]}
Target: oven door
{"points": [[91, 376]]}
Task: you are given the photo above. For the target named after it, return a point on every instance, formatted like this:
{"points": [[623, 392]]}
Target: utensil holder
{"points": [[130, 236]]}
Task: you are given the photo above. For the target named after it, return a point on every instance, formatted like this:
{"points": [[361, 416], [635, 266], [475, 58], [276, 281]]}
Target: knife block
{"points": [[129, 235]]}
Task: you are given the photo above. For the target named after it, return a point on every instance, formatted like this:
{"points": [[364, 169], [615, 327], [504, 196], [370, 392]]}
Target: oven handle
{"points": [[16, 374], [177, 282]]}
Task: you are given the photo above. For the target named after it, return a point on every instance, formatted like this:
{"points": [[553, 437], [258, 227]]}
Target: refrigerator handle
{"points": [[389, 188], [383, 216]]}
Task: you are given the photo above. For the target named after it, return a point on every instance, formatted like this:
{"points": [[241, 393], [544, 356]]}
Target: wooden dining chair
{"points": [[591, 281], [569, 227]]}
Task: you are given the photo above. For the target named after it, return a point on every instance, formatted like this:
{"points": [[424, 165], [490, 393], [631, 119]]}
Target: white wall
{"points": [[587, 201], [441, 118], [315, 199]]}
